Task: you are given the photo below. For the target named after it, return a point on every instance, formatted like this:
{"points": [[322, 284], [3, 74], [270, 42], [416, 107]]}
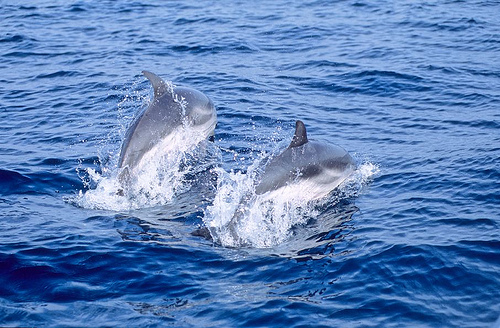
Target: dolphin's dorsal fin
{"points": [[300, 135], [159, 86]]}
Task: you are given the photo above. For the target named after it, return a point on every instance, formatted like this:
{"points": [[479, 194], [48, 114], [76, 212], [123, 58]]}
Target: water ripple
{"points": [[411, 87]]}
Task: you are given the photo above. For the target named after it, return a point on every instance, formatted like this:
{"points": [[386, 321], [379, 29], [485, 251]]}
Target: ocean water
{"points": [[411, 89]]}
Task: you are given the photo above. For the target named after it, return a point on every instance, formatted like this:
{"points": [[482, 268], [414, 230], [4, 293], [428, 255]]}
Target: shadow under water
{"points": [[323, 235]]}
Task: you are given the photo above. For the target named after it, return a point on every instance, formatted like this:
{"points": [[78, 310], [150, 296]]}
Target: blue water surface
{"points": [[412, 87]]}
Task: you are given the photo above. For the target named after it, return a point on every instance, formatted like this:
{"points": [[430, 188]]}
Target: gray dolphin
{"points": [[171, 108], [319, 166], [307, 169]]}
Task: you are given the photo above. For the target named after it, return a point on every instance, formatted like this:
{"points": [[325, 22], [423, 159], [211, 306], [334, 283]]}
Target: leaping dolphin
{"points": [[304, 171], [319, 167], [172, 108]]}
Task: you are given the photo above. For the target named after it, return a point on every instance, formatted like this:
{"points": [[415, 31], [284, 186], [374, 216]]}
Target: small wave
{"points": [[451, 25], [238, 47], [16, 38], [57, 74], [12, 182], [188, 21], [311, 64]]}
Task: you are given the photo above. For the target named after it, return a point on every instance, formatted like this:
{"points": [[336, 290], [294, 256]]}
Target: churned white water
{"points": [[161, 174], [238, 217]]}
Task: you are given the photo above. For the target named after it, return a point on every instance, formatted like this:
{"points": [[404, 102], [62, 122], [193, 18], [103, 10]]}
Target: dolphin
{"points": [[171, 108], [306, 170], [318, 168]]}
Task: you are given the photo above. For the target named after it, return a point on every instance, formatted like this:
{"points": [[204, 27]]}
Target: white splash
{"points": [[156, 180], [159, 176], [238, 217]]}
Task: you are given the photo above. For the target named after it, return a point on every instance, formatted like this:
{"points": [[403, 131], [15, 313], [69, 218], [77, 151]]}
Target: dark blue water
{"points": [[411, 89]]}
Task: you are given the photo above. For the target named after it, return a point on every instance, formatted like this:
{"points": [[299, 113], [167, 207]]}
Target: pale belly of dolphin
{"points": [[182, 139]]}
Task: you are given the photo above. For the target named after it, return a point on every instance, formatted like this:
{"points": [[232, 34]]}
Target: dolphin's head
{"points": [[199, 109], [197, 106]]}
